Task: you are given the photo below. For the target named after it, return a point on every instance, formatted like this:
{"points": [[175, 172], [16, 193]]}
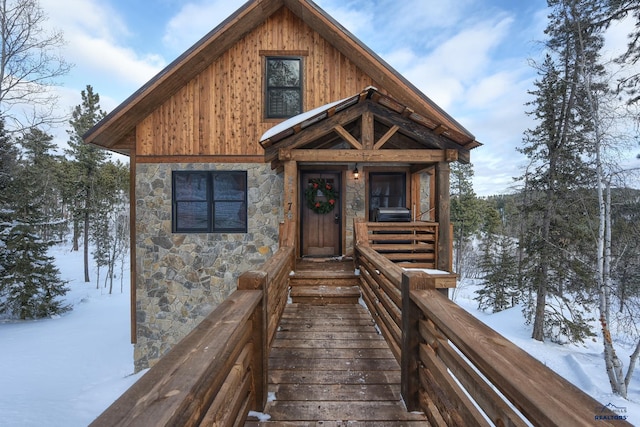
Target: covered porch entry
{"points": [[344, 160]]}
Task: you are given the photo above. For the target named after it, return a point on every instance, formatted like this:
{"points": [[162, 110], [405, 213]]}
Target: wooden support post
{"points": [[410, 353], [257, 280], [290, 200], [443, 212], [133, 245], [367, 130]]}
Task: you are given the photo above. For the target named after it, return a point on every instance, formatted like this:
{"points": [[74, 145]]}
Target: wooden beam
{"points": [[386, 137], [410, 128], [443, 212], [348, 137], [420, 168], [451, 155], [362, 156], [315, 132], [290, 198], [368, 134]]}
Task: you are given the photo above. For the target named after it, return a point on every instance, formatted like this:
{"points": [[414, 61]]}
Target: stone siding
{"points": [[355, 206], [180, 278]]}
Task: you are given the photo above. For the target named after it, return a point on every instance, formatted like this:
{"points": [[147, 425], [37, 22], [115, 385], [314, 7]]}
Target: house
{"points": [[261, 126]]}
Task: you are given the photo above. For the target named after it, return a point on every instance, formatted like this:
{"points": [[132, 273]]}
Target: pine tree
{"points": [[110, 225], [86, 161], [617, 10], [31, 284], [466, 214], [8, 168], [38, 157], [500, 273], [556, 147]]}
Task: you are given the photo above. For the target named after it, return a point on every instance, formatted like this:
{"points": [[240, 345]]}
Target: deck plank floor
{"points": [[329, 367]]}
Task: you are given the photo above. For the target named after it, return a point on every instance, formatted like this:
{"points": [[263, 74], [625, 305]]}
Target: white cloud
{"points": [[91, 17], [97, 44], [195, 20]]}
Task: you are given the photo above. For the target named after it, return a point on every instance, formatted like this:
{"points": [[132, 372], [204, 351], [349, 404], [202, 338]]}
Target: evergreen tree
{"points": [[110, 226], [555, 147], [8, 168], [39, 160], [617, 10], [86, 161], [31, 285], [626, 251], [466, 214], [8, 164], [500, 273]]}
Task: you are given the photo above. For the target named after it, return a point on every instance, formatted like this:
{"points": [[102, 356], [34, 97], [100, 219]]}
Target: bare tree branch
{"points": [[30, 63]]}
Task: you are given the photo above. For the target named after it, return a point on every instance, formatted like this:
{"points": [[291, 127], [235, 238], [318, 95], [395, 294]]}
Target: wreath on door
{"points": [[319, 186]]}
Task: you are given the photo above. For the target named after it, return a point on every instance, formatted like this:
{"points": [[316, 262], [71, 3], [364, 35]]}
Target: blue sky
{"points": [[472, 57]]}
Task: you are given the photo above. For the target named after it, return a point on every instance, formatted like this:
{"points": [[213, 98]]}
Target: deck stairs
{"points": [[324, 281], [329, 365]]}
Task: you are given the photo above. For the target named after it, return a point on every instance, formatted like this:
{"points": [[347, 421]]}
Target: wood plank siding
{"points": [[220, 112]]}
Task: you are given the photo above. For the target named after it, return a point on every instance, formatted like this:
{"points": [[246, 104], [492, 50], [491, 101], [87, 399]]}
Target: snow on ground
{"points": [[580, 364], [65, 371]]}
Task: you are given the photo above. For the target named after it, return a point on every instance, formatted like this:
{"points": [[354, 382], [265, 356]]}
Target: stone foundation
{"points": [[180, 278]]}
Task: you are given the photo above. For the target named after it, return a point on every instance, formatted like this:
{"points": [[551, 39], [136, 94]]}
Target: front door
{"points": [[321, 213]]}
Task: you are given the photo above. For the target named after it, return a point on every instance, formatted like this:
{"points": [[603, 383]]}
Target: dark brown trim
{"points": [[200, 159], [132, 247], [284, 53]]}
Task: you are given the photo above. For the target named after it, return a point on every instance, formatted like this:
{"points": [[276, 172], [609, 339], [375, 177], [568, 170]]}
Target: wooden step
{"points": [[313, 280], [325, 294]]}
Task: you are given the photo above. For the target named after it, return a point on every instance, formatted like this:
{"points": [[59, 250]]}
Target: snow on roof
{"points": [[295, 120]]}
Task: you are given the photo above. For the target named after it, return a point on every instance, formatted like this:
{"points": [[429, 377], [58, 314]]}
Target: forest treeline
{"points": [[564, 246], [79, 197]]}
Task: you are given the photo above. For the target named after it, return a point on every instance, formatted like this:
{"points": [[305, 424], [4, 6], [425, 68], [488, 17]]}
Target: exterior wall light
{"points": [[356, 174]]}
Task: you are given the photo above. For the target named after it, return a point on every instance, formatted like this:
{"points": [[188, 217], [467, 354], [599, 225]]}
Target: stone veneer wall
{"points": [[354, 206], [425, 191], [182, 277]]}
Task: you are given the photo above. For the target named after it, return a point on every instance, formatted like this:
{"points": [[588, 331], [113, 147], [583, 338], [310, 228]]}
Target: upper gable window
{"points": [[283, 96]]}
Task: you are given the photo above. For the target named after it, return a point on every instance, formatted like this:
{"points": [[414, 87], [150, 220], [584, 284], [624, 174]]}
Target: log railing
{"points": [[413, 244], [218, 372], [455, 369]]}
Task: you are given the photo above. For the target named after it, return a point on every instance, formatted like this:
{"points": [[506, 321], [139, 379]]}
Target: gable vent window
{"points": [[283, 87], [209, 202]]}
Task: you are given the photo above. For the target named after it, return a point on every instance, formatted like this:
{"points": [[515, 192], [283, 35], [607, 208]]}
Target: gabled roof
{"points": [[337, 125], [116, 130]]}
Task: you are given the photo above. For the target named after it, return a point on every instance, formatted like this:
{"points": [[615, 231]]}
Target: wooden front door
{"points": [[320, 232]]}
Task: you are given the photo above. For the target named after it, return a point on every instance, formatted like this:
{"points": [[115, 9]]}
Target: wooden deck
{"points": [[330, 367]]}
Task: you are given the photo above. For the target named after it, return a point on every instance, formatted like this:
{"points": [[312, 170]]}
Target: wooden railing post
{"points": [[411, 314], [257, 280]]}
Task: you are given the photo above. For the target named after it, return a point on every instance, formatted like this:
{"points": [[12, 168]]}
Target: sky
{"points": [[471, 57]]}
